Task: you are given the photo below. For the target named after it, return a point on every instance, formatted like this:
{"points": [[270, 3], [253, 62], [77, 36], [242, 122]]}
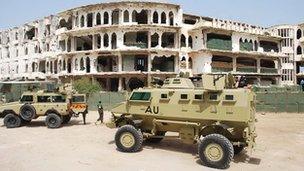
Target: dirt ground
{"points": [[91, 147]]}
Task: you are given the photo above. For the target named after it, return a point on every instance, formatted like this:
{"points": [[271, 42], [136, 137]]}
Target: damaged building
{"points": [[121, 45]]}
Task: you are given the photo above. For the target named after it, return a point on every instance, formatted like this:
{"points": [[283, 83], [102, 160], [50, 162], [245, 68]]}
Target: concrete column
{"points": [[160, 40], [66, 45], [234, 64], [101, 41], [176, 64], [120, 88], [149, 40], [73, 44], [149, 63], [119, 63], [94, 42], [150, 17], [259, 65]]}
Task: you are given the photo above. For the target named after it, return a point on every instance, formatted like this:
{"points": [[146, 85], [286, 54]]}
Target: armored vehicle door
{"points": [[42, 104], [59, 103]]}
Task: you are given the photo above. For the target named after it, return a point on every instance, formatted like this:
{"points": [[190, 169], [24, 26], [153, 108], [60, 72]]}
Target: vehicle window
{"points": [[164, 96], [44, 99], [213, 96], [27, 98], [78, 99], [198, 97], [141, 96], [58, 99], [184, 96], [229, 97]]}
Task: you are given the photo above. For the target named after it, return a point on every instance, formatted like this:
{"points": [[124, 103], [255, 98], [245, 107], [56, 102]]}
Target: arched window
{"points": [[88, 65], [64, 65], [190, 63], [60, 65], [115, 17], [183, 41], [36, 49], [114, 41], [171, 17], [163, 18], [299, 50], [126, 16], [106, 40], [190, 42], [154, 40], [134, 16], [106, 18], [76, 64], [299, 34], [155, 17], [81, 64], [33, 67], [82, 21], [26, 51], [98, 19]]}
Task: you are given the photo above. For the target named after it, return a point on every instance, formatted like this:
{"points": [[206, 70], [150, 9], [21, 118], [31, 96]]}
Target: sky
{"points": [[264, 13]]}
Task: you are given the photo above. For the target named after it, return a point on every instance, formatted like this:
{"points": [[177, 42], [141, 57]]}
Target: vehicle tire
{"points": [[128, 139], [238, 149], [53, 121], [156, 140], [66, 119], [27, 112], [215, 151], [12, 121]]}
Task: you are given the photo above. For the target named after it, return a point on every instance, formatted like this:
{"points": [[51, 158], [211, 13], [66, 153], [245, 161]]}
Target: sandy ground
{"points": [[91, 147]]}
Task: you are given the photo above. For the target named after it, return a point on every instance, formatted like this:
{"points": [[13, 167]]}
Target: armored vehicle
{"points": [[54, 105], [218, 117]]}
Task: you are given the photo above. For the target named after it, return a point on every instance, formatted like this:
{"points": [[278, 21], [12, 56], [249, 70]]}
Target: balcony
{"points": [[221, 69], [247, 69]]}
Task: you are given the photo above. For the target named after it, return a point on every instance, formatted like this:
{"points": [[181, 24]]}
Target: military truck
{"points": [[54, 105], [217, 116]]}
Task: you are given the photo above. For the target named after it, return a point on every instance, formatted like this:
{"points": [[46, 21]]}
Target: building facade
{"points": [[123, 44]]}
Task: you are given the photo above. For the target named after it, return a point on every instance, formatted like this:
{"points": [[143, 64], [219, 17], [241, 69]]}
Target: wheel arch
{"points": [[52, 111], [216, 129]]}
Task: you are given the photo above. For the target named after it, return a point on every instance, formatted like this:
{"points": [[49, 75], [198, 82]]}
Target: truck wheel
{"points": [[156, 140], [66, 119], [216, 151], [238, 149], [12, 121], [128, 139], [27, 112], [53, 121]]}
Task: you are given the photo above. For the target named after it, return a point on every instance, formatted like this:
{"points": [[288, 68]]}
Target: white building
{"points": [[120, 44]]}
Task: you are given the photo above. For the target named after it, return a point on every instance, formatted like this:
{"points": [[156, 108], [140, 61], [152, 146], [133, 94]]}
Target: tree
{"points": [[86, 86]]}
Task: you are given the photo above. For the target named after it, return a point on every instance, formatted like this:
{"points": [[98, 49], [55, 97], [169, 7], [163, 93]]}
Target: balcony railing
{"points": [[269, 70], [137, 44], [247, 69]]}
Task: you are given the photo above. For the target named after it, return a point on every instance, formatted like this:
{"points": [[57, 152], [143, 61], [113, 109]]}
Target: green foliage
{"points": [[85, 86]]}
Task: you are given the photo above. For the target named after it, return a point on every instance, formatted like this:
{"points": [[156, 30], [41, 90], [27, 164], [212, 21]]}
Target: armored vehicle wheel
{"points": [[27, 112], [12, 121], [128, 139], [156, 140], [66, 119], [216, 151], [53, 120], [238, 149]]}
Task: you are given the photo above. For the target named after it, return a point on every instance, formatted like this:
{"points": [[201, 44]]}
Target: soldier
{"points": [[100, 112], [84, 114], [302, 84]]}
